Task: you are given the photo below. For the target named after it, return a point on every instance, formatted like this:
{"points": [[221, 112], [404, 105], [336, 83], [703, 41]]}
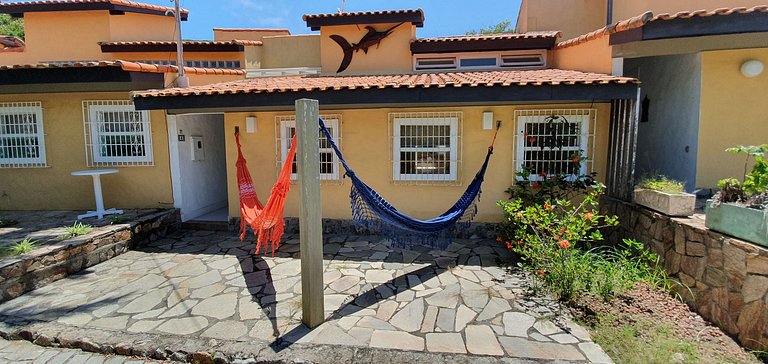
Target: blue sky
{"points": [[443, 17]]}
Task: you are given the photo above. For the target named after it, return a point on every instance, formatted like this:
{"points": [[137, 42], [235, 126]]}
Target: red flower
{"points": [[532, 140], [548, 207], [565, 244], [525, 134], [589, 216], [535, 185], [499, 239], [541, 272], [543, 174], [509, 245], [576, 159], [519, 242]]}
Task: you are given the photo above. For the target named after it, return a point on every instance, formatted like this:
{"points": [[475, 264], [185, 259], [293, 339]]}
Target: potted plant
{"points": [[665, 195], [740, 208]]}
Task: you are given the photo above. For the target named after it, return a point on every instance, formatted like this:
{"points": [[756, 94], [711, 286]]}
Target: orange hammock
{"points": [[266, 221]]}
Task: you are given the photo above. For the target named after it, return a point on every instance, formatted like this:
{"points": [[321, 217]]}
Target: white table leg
{"points": [[99, 198]]}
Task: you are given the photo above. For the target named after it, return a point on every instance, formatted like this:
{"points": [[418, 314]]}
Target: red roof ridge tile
{"points": [[620, 26], [459, 38], [132, 4]]}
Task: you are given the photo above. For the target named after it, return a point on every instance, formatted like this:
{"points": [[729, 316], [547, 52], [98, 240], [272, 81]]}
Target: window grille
{"points": [[530, 59], [116, 134], [201, 64], [22, 140], [548, 141], [426, 147], [329, 162]]}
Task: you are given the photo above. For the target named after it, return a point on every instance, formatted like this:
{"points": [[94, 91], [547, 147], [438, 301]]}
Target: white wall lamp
{"points": [[752, 68], [488, 120], [250, 124]]}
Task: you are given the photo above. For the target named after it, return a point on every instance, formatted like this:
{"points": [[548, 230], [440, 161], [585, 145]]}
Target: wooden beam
{"points": [[310, 212]]}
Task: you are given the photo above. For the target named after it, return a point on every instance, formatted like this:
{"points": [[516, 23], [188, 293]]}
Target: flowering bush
{"points": [[555, 241], [535, 187]]}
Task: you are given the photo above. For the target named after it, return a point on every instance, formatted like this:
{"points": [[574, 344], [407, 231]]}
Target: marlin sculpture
{"points": [[370, 39]]}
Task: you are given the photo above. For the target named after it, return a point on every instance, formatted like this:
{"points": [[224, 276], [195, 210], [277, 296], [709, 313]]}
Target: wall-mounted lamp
{"points": [[752, 68], [250, 124], [488, 120]]}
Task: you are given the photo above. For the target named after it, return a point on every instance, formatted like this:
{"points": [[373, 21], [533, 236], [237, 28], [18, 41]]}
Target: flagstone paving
{"points": [[26, 352], [208, 285]]}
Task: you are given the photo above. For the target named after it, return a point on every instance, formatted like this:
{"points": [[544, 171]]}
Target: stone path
{"points": [[206, 285], [25, 352]]}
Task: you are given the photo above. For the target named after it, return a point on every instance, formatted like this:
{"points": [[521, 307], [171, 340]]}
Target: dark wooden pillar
{"points": [[622, 147]]}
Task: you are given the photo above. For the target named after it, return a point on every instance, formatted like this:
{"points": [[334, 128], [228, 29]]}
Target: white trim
{"points": [[332, 122], [452, 148], [498, 55], [20, 109], [93, 110], [173, 155]]}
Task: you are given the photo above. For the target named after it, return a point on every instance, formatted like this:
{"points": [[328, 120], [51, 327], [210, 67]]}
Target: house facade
{"points": [[413, 116], [696, 100]]}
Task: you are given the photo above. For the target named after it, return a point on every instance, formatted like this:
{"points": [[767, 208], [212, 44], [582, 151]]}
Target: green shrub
{"points": [[557, 242], [77, 229], [23, 247], [662, 183]]}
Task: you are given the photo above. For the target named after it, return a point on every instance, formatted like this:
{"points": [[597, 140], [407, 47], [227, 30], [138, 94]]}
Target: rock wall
{"points": [[54, 262], [726, 278]]}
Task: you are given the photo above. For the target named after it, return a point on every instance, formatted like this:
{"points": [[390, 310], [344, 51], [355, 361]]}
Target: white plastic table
{"points": [[100, 212]]}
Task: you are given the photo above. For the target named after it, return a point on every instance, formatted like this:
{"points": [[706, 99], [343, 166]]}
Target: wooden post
{"points": [[310, 213]]}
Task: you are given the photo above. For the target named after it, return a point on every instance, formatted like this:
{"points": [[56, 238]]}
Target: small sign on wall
{"points": [[181, 136]]}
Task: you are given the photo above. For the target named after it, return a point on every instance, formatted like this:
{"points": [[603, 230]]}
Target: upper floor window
{"points": [[329, 162], [22, 141], [534, 59], [425, 146], [117, 134], [549, 141]]}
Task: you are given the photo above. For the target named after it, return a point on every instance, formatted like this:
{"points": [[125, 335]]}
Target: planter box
{"points": [[682, 204], [740, 222]]}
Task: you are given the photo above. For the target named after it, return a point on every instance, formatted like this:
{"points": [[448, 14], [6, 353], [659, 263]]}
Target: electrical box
{"points": [[198, 148]]}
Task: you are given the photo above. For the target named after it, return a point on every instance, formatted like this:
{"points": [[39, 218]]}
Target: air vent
{"points": [[435, 63], [522, 61]]}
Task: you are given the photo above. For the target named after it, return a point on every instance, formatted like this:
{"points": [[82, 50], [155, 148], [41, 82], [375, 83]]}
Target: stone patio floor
{"points": [[26, 352], [208, 285]]}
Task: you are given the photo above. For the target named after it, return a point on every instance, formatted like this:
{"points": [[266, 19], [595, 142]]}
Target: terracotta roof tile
{"points": [[127, 66], [186, 42], [131, 4], [361, 13], [419, 80], [467, 38], [648, 17]]}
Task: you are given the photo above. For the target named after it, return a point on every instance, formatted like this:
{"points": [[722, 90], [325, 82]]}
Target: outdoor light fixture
{"points": [[488, 120], [250, 124], [752, 68]]}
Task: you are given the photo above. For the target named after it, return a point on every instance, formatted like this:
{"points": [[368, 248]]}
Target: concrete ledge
{"points": [[55, 261], [190, 349]]}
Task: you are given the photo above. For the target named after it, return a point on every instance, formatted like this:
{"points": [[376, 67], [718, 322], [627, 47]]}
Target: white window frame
{"points": [[91, 110], [333, 122], [426, 119], [586, 118], [18, 109], [457, 57]]}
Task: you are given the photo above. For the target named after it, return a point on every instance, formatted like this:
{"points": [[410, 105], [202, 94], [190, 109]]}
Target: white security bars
{"points": [[329, 162], [426, 147], [548, 141], [116, 134], [22, 140]]}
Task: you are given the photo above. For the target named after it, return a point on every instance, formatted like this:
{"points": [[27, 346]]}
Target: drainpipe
{"points": [[609, 15], [182, 81]]}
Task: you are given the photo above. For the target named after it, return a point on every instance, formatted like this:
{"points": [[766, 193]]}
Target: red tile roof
{"points": [[648, 17], [29, 6], [315, 21], [361, 13], [186, 43], [127, 66], [419, 80], [467, 38]]}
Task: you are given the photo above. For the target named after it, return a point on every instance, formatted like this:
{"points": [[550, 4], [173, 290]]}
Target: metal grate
{"points": [[201, 64], [425, 147], [548, 141], [116, 134], [329, 162], [22, 140]]}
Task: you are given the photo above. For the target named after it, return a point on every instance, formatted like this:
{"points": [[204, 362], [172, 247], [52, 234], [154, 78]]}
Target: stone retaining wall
{"points": [[56, 261], [727, 277]]}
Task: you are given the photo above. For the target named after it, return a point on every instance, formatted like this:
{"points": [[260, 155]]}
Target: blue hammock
{"points": [[372, 213]]}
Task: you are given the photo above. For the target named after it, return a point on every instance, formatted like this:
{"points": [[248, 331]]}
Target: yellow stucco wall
{"points": [[132, 26], [291, 51], [392, 55], [53, 188], [733, 112], [365, 144], [625, 9], [592, 56], [571, 17]]}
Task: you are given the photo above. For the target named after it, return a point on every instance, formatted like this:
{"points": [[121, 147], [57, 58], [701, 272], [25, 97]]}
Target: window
{"points": [[548, 140], [518, 61], [435, 63], [425, 146], [329, 162], [22, 142], [478, 62], [529, 59], [117, 134]]}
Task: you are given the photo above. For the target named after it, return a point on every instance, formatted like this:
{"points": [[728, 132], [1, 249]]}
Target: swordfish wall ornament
{"points": [[370, 39]]}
